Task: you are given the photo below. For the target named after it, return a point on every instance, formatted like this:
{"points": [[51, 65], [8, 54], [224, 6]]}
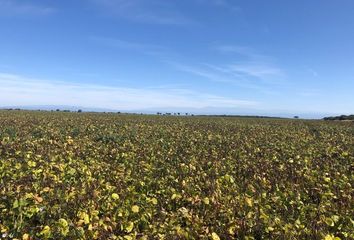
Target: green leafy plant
{"points": [[109, 176]]}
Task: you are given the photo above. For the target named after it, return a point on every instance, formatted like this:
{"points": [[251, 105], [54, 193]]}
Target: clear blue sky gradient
{"points": [[211, 56]]}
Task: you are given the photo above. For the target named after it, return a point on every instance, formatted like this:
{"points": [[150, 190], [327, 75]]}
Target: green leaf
{"points": [[63, 223], [15, 204], [329, 222]]}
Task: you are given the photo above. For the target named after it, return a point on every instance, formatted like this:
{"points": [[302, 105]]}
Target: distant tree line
{"points": [[12, 109], [175, 114], [340, 118], [244, 116]]}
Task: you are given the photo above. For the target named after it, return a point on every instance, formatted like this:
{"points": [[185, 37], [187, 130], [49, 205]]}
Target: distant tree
{"points": [[79, 111], [178, 114], [340, 118], [58, 110], [296, 117]]}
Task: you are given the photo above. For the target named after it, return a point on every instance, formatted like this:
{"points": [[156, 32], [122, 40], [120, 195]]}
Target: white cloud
{"points": [[245, 75], [145, 11], [309, 92], [313, 72], [19, 90], [258, 70], [247, 53], [205, 73], [149, 49], [249, 63], [221, 3], [16, 7]]}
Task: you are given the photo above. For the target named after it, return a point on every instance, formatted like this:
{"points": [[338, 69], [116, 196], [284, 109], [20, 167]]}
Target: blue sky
{"points": [[203, 56]]}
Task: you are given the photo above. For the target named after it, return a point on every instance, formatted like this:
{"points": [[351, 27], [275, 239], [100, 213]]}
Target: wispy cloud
{"points": [[309, 92], [224, 74], [19, 90], [243, 52], [221, 3], [145, 11], [5, 66], [150, 49], [249, 63], [313, 72], [16, 7], [253, 69], [201, 72]]}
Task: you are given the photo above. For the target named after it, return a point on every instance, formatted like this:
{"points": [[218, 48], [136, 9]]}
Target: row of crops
{"points": [[109, 176]]}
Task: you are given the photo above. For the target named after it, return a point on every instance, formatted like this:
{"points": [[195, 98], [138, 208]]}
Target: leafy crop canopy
{"points": [[106, 176]]}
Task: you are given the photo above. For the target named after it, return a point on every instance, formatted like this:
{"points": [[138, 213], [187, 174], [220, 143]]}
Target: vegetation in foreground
{"points": [[107, 176]]}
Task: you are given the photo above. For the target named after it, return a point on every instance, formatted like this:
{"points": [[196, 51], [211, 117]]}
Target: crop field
{"points": [[116, 176]]}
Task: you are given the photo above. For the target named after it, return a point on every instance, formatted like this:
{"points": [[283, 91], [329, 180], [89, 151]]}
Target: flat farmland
{"points": [[116, 176]]}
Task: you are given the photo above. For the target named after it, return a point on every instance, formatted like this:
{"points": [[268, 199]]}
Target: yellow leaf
{"points": [[249, 201], [115, 196], [232, 230], [176, 196], [70, 140], [270, 229], [331, 237], [154, 201], [215, 236], [45, 230], [129, 227], [206, 201], [135, 209], [63, 222], [25, 236], [90, 227], [32, 164], [86, 218]]}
